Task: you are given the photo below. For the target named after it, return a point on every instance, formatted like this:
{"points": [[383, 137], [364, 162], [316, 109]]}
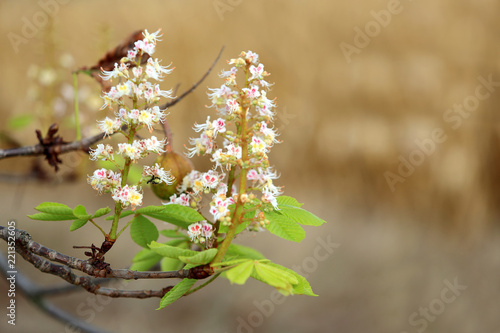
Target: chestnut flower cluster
{"points": [[134, 94], [242, 159]]}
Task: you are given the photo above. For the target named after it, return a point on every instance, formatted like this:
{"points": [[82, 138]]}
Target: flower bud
{"points": [[179, 166]]}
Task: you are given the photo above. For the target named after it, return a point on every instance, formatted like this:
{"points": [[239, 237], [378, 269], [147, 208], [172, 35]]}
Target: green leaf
{"points": [[228, 263], [273, 276], [77, 224], [101, 211], [240, 251], [301, 216], [143, 231], [178, 215], [240, 273], [81, 212], [123, 214], [176, 292], [181, 243], [302, 287], [171, 251], [20, 121], [284, 200], [169, 264], [290, 207], [283, 227], [54, 208], [150, 209], [200, 258], [51, 217], [173, 234], [144, 260]]}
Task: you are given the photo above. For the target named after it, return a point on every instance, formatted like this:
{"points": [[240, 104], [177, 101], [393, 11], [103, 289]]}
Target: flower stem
{"points": [[239, 205], [118, 206], [192, 290], [125, 227], [97, 226], [75, 101], [114, 226]]}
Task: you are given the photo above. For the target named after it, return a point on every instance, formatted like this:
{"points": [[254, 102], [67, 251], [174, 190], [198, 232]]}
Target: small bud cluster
{"points": [[133, 91], [201, 232]]}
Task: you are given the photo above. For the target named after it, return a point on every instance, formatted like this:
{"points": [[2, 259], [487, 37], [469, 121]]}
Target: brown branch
{"points": [[39, 149], [33, 252], [187, 92]]}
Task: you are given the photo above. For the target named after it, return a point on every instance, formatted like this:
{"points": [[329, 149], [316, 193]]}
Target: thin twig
{"points": [[38, 149], [85, 143], [187, 92]]}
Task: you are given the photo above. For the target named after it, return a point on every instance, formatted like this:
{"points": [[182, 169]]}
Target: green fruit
{"points": [[179, 166]]}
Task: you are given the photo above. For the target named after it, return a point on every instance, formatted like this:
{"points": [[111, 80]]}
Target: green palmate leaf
{"points": [[284, 200], [81, 212], [240, 251], [169, 264], [123, 214], [51, 217], [173, 234], [290, 207], [178, 242], [150, 209], [54, 208], [176, 292], [147, 258], [283, 227], [178, 215], [302, 287], [144, 260], [101, 212], [241, 272], [171, 251], [77, 224], [228, 263], [273, 276], [302, 216], [266, 270], [143, 231], [200, 258]]}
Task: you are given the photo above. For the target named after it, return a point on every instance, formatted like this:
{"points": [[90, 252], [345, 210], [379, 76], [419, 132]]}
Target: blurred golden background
{"points": [[390, 133]]}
